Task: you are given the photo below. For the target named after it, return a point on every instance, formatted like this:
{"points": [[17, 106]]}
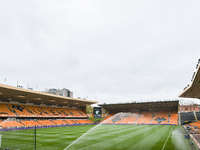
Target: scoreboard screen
{"points": [[97, 112]]}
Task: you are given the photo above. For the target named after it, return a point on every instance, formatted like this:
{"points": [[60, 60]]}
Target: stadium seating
{"points": [[81, 112], [50, 111], [83, 121], [74, 112], [26, 112], [64, 112], [5, 111], [20, 110], [173, 117], [30, 123], [197, 124], [160, 117], [145, 117], [46, 123], [107, 118], [194, 128], [116, 119], [70, 122], [36, 111], [89, 121], [124, 118], [130, 118], [70, 116], [59, 122], [76, 121], [14, 110], [67, 112], [7, 124]]}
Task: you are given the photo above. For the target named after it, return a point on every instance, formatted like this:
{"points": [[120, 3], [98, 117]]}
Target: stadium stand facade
{"points": [[38, 111], [190, 114], [162, 112], [21, 108], [29, 116]]}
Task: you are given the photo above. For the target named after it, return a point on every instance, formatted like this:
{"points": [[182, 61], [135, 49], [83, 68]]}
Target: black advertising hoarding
{"points": [[97, 112]]}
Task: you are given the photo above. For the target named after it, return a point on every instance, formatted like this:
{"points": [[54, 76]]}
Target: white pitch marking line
{"points": [[167, 138]]}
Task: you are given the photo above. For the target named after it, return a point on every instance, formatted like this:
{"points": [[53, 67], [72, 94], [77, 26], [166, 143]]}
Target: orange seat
{"points": [[70, 121], [145, 117], [6, 124], [6, 111], [106, 120], [160, 114], [46, 122], [75, 112], [20, 110], [130, 118], [59, 122], [50, 111], [30, 123], [83, 121], [174, 117], [36, 111]]}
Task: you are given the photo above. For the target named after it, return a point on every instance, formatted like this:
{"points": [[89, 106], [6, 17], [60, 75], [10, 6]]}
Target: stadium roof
{"points": [[21, 95], [193, 90], [161, 105]]}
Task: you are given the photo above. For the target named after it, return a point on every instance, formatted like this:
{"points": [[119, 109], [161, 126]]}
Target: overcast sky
{"points": [[105, 50]]}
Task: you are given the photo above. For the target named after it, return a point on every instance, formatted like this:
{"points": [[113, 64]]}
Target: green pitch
{"points": [[102, 137]]}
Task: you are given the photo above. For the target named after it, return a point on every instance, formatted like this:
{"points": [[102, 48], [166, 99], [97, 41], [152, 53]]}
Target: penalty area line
{"points": [[167, 138]]}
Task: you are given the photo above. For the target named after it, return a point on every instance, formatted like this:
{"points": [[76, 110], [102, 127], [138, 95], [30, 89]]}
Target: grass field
{"points": [[112, 137]]}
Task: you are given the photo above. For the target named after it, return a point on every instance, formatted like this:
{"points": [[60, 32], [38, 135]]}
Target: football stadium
{"points": [[37, 120]]}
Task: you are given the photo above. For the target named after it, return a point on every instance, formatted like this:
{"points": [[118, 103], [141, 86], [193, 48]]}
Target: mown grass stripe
{"points": [[134, 139], [167, 138], [159, 144], [149, 139], [112, 137], [115, 132], [104, 128], [108, 135], [121, 138]]}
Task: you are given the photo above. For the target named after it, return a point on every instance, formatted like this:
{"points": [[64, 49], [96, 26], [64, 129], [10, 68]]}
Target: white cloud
{"points": [[109, 50]]}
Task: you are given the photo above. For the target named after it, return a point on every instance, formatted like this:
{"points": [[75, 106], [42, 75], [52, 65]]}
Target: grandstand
{"points": [[191, 115], [32, 108], [162, 112]]}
